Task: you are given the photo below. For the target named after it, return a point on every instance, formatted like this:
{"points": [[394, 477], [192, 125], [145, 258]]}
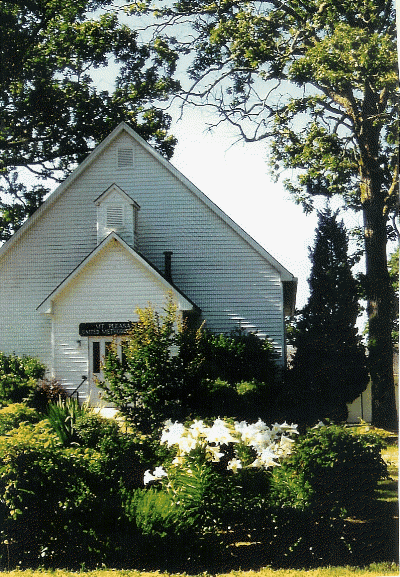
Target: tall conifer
{"points": [[329, 366]]}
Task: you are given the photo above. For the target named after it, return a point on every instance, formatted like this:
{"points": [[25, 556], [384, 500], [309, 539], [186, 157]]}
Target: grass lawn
{"points": [[388, 489], [373, 570]]}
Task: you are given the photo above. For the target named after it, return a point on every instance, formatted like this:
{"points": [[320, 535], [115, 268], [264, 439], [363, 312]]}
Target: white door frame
{"points": [[97, 348]]}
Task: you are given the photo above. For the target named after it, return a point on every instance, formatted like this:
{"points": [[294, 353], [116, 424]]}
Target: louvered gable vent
{"points": [[115, 217], [116, 211], [125, 157]]}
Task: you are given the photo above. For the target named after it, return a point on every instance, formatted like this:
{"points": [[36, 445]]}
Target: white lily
{"points": [[186, 444], [159, 472], [234, 465], [172, 433], [148, 477], [216, 455], [197, 428], [267, 457], [286, 442], [219, 433]]}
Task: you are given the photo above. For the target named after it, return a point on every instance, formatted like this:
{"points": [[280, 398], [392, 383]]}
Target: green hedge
{"points": [[18, 377], [12, 415]]}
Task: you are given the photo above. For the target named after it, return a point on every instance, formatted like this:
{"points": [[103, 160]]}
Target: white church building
{"points": [[123, 231]]}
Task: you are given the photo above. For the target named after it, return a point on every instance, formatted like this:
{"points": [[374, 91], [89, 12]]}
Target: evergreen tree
{"points": [[329, 366]]}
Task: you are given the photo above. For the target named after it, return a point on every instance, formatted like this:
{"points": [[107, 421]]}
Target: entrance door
{"points": [[98, 347]]}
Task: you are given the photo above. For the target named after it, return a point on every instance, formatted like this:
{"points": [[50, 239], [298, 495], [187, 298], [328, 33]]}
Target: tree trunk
{"points": [[379, 307]]}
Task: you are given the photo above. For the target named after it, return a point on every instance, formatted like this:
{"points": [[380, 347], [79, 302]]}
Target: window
{"points": [[100, 349], [96, 357], [116, 211], [125, 157]]}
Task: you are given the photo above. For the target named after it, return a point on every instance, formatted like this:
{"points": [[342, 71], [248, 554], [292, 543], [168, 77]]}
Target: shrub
{"points": [[46, 392], [331, 472], [241, 400], [122, 452], [58, 503], [12, 415], [18, 377], [215, 487], [97, 432], [167, 370], [146, 384], [238, 356]]}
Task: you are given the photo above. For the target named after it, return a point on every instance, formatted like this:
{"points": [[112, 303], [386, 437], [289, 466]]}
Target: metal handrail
{"points": [[84, 378]]}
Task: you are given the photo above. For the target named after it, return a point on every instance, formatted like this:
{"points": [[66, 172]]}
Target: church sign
{"points": [[104, 329]]}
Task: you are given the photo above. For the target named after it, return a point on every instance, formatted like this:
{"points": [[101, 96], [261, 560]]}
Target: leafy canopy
{"points": [[51, 111], [318, 78]]}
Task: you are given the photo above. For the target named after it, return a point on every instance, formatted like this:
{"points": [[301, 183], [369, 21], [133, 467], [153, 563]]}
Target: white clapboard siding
{"points": [[217, 266], [108, 289]]}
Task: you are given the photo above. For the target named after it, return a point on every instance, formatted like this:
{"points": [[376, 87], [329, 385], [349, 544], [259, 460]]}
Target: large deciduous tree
{"points": [[51, 113], [318, 80]]}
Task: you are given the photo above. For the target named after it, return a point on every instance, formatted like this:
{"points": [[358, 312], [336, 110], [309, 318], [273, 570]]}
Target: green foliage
{"points": [[190, 504], [58, 504], [318, 80], [332, 472], [62, 416], [18, 377], [214, 489], [194, 515], [17, 203], [121, 452], [198, 503], [68, 505], [80, 426], [94, 431], [221, 398], [51, 112], [329, 368], [12, 415], [153, 511], [168, 371], [146, 384], [238, 356]]}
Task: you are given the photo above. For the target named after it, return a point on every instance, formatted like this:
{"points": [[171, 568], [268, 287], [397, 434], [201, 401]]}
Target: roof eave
{"points": [[46, 306], [289, 296]]}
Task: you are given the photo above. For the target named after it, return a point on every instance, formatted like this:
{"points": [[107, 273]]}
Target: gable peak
{"points": [[115, 191]]}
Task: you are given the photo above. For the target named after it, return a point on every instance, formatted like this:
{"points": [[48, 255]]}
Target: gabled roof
{"points": [[46, 305], [115, 188], [286, 276]]}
